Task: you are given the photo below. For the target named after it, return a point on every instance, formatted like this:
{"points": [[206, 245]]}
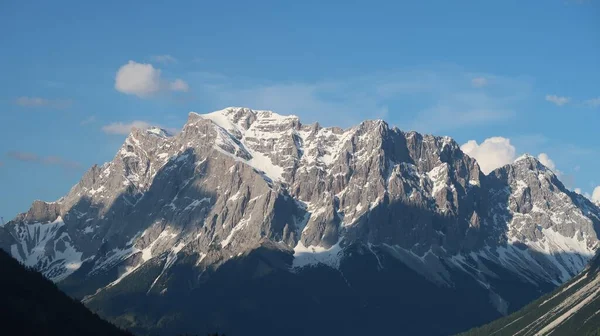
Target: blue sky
{"points": [[76, 74]]}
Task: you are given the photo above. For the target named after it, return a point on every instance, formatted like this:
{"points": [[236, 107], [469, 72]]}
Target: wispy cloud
{"points": [[594, 102], [422, 99], [43, 102], [124, 128], [144, 80], [47, 160], [165, 59], [479, 82], [557, 100], [88, 120], [461, 110], [23, 156], [179, 85]]}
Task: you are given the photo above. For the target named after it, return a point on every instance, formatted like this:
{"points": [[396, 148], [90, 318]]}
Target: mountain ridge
{"points": [[236, 180]]}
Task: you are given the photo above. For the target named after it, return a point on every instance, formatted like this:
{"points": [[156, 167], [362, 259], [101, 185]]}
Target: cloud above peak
{"points": [[439, 99], [144, 80], [596, 195], [546, 161], [557, 100], [496, 152], [492, 153]]}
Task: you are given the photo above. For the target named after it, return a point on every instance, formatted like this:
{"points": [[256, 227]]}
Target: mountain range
{"points": [[251, 222]]}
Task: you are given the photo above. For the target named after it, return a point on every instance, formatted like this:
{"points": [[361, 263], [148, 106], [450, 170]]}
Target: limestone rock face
{"points": [[235, 180]]}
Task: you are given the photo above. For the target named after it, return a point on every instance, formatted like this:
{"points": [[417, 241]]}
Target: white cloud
{"points": [[557, 100], [42, 102], [122, 128], [144, 80], [546, 161], [594, 102], [496, 152], [492, 153], [179, 85], [138, 79], [596, 194], [165, 59], [479, 82], [578, 191]]}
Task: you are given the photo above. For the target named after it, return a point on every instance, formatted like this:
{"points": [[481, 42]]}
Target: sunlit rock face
{"points": [[235, 182]]}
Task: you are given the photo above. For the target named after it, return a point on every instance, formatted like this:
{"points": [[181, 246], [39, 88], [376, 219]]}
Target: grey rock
{"points": [[237, 179]]}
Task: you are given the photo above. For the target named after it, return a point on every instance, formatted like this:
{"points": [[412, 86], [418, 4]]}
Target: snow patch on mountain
{"points": [[314, 255], [37, 239]]}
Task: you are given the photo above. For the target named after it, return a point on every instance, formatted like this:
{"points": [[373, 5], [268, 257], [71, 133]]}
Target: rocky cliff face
{"points": [[237, 180]]}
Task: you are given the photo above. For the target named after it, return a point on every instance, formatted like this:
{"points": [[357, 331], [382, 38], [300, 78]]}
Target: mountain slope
{"points": [[572, 309], [32, 305], [171, 213]]}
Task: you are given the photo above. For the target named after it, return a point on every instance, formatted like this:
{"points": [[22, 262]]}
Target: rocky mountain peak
{"points": [[160, 132], [529, 162], [242, 118], [236, 179]]}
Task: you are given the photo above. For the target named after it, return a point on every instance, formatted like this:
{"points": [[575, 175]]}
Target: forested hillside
{"points": [[33, 305], [572, 309]]}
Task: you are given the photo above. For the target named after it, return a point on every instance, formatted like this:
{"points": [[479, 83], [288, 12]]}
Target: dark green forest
{"points": [[33, 305]]}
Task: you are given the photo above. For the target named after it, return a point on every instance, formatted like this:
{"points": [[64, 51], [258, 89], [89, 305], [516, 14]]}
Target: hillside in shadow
{"points": [[33, 305], [571, 309]]}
